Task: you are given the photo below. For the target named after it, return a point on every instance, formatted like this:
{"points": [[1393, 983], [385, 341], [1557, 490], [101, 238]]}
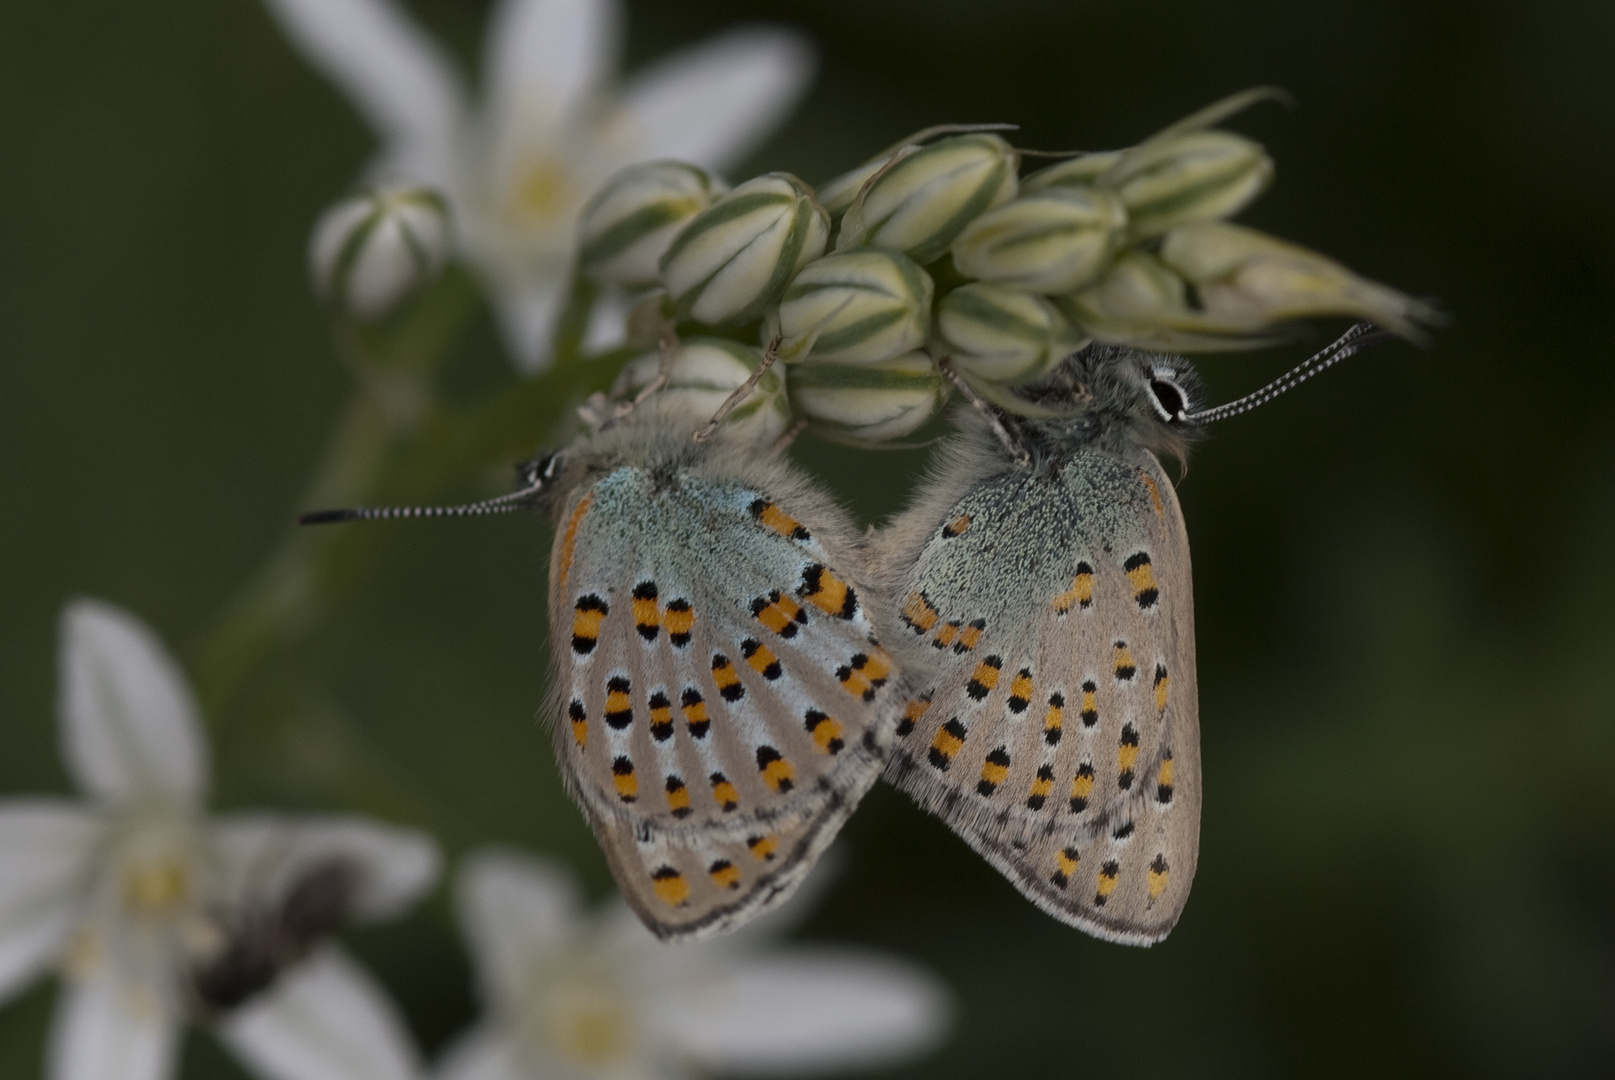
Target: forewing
{"points": [[720, 692], [1061, 735]]}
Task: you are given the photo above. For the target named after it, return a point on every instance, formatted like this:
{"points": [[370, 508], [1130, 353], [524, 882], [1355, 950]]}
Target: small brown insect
{"points": [[268, 942]]}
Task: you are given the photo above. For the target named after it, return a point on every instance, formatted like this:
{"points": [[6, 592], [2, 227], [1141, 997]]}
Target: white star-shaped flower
{"points": [[575, 996], [134, 889], [517, 167]]}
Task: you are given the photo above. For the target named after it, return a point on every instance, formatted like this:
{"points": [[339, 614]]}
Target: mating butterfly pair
{"points": [[737, 666]]}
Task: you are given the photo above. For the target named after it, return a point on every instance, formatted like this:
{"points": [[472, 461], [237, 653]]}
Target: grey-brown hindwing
{"points": [[722, 699], [1059, 735]]}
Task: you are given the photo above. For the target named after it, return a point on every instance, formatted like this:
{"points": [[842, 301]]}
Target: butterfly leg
{"points": [[770, 355], [1005, 436]]}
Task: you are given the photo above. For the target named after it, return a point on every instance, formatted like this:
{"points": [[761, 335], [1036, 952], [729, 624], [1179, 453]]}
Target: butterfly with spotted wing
{"points": [[721, 697], [1044, 585]]}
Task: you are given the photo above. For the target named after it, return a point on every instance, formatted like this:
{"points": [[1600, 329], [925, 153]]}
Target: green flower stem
{"points": [[393, 444]]}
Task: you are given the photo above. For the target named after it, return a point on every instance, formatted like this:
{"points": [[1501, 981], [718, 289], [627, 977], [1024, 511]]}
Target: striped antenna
{"points": [[537, 476], [1362, 335]]}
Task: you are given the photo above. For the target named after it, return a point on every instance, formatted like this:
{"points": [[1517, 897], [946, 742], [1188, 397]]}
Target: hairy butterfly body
{"points": [[722, 699], [1051, 601]]}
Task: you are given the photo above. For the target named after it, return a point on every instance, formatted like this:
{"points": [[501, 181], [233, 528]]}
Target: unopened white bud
{"points": [[922, 202], [1249, 278], [1003, 336], [869, 403], [1053, 241], [855, 307], [1079, 172], [1198, 176], [1141, 302], [371, 250], [836, 195], [630, 222], [702, 375], [734, 258]]}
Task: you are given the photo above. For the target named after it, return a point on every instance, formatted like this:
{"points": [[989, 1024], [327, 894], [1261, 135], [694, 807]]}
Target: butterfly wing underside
{"points": [[719, 693], [1061, 736]]}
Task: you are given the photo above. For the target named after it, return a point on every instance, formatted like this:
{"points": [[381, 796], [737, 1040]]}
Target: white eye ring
{"points": [[1172, 412]]}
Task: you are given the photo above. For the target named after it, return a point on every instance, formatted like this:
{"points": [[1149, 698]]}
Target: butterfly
{"points": [[721, 698], [1043, 580]]}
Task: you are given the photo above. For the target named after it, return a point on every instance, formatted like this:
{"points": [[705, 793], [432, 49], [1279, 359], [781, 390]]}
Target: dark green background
{"points": [[1403, 570]]}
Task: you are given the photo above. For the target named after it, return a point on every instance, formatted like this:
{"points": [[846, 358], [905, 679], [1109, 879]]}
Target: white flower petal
{"points": [[129, 723], [100, 1032], [325, 1019], [269, 853], [396, 76], [512, 906], [806, 1010], [608, 322], [45, 854], [527, 314], [548, 55], [712, 104], [484, 1054]]}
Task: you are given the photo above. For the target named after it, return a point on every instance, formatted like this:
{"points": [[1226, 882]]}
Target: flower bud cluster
{"points": [[937, 248]]}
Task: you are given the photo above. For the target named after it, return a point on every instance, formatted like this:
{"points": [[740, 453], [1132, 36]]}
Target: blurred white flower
{"points": [[129, 890], [518, 167], [596, 997]]}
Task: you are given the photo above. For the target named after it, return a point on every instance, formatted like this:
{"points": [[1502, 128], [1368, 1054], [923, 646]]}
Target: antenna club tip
{"points": [[327, 517]]}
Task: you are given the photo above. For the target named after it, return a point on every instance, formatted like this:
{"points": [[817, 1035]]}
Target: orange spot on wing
{"points": [[918, 613], [670, 887], [724, 793], [778, 520], [1159, 875], [1082, 784], [569, 537], [830, 594], [826, 731], [1080, 594], [946, 742], [1155, 494]]}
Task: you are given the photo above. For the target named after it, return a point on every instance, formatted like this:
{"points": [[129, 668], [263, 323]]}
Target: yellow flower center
{"points": [[544, 190], [155, 888], [581, 1013], [595, 1032]]}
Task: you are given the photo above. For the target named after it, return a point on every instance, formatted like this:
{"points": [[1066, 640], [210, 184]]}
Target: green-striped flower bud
{"points": [[630, 222], [1054, 241], [702, 375], [1003, 335], [1249, 278], [1140, 301], [369, 251], [855, 307], [869, 403], [1078, 172], [1198, 176], [734, 258], [922, 202], [836, 195]]}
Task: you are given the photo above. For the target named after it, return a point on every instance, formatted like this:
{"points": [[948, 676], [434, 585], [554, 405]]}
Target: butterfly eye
{"points": [[532, 473], [1170, 402]]}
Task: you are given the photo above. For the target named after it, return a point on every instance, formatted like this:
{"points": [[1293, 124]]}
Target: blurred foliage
{"points": [[1409, 722]]}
